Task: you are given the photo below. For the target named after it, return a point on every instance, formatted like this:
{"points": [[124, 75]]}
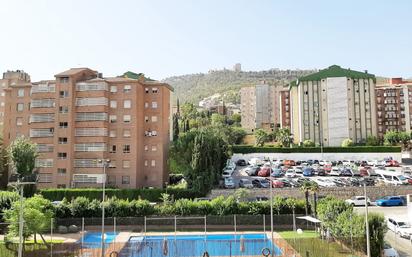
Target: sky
{"points": [[176, 37]]}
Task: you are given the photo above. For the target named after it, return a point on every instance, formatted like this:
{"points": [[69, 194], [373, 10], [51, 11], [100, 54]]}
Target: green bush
{"points": [[152, 195], [347, 142], [244, 149], [6, 199], [308, 143]]}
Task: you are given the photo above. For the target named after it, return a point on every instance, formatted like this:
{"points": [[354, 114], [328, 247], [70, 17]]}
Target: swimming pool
{"points": [[195, 245], [94, 239]]}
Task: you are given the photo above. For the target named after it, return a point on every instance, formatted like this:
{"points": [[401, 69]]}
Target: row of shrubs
{"points": [[84, 207], [244, 149], [152, 194]]}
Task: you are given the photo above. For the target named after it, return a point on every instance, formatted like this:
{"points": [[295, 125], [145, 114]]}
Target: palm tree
{"points": [[306, 187], [314, 188]]}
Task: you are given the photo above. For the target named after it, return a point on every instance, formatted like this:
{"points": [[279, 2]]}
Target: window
{"points": [[127, 88], [20, 92], [44, 148], [90, 147], [91, 132], [126, 148], [153, 163], [154, 90], [146, 90], [146, 163], [42, 132], [94, 101], [154, 148], [64, 94], [44, 163], [127, 118], [146, 105], [146, 148], [62, 156], [61, 185], [91, 116], [62, 140], [126, 132], [64, 80], [126, 164], [2, 104], [42, 103], [45, 178], [112, 164], [154, 105], [63, 109], [19, 121], [112, 118], [127, 104], [91, 87], [112, 133], [61, 171], [111, 180], [113, 89], [154, 133], [113, 104], [20, 107], [64, 124], [113, 149], [125, 180], [86, 163], [42, 117], [146, 118], [154, 118]]}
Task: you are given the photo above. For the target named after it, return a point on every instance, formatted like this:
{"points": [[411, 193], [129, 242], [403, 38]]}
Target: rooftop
{"points": [[73, 71]]}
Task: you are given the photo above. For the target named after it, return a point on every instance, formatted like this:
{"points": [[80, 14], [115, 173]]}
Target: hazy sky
{"points": [[174, 37]]}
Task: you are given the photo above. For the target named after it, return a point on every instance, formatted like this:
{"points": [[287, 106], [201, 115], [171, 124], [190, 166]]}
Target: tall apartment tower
{"points": [[260, 107], [10, 78], [80, 118], [285, 109], [332, 105], [394, 105]]}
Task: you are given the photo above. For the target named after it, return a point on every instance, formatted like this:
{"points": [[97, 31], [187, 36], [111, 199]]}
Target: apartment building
{"points": [[10, 78], [81, 117], [260, 107], [285, 109], [332, 105], [393, 104]]}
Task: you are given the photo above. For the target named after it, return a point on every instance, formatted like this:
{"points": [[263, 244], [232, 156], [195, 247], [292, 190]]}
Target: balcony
{"points": [[45, 117]]}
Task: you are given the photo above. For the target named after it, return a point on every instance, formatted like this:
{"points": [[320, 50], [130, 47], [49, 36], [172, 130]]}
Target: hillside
{"points": [[194, 87]]}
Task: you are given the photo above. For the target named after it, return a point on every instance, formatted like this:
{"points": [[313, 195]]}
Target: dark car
{"points": [[346, 173], [241, 162], [260, 183], [320, 172], [368, 181]]}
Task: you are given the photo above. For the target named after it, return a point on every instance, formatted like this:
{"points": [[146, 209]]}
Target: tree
{"points": [[175, 126], [391, 137], [4, 169], [347, 143], [372, 141], [236, 118], [261, 137], [22, 154], [305, 187], [314, 188], [308, 143], [37, 215], [283, 135], [404, 138], [217, 119]]}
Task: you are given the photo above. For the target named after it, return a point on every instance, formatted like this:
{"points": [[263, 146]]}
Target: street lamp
{"points": [[368, 243], [105, 164], [271, 208]]}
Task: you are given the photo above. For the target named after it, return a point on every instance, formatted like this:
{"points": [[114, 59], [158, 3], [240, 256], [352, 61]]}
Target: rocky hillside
{"points": [[194, 87]]}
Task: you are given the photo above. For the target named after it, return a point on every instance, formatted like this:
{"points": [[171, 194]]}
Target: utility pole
{"points": [[105, 163], [368, 243]]}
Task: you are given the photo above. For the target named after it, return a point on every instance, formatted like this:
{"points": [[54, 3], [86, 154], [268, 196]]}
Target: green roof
{"points": [[333, 72], [133, 75]]}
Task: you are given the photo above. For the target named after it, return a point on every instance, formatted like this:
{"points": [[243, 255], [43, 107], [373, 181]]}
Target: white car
{"points": [[229, 183], [324, 182], [358, 201], [389, 251], [227, 173], [346, 163], [334, 172], [255, 161], [401, 228], [290, 173]]}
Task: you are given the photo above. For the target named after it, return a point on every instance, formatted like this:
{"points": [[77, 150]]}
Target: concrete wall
{"points": [[338, 192], [317, 156]]}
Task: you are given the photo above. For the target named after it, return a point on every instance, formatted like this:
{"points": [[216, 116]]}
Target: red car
{"points": [[276, 183], [392, 163], [264, 171], [364, 171]]}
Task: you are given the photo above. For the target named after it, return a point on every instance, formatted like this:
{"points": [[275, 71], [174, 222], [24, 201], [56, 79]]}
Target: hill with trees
{"points": [[194, 87]]}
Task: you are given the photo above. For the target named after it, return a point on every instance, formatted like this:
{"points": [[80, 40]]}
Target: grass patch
{"points": [[309, 244]]}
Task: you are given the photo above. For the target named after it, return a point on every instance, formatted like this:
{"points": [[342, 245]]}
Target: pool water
{"points": [[195, 245], [94, 239]]}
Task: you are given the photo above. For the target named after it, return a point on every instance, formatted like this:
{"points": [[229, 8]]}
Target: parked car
{"points": [[227, 173], [346, 172], [389, 251], [390, 201], [334, 172], [401, 228], [277, 173], [289, 163], [324, 182], [392, 163], [241, 162], [308, 171], [290, 173], [320, 172], [260, 183], [252, 170], [245, 183], [264, 171], [358, 201], [229, 183], [255, 162], [276, 183]]}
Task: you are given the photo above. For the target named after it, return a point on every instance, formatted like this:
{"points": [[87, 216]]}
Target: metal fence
{"points": [[234, 235]]}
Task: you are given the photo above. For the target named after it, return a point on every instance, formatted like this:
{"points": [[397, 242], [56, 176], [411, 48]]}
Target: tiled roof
{"points": [[332, 72], [73, 71]]}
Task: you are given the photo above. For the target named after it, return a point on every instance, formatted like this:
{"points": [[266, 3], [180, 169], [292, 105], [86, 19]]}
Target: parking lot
{"points": [[324, 173]]}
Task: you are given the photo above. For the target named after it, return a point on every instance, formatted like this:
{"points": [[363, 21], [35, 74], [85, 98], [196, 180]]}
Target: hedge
{"points": [[244, 149], [152, 195]]}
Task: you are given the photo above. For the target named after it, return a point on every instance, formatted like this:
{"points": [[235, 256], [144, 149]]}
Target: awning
{"points": [[309, 218]]}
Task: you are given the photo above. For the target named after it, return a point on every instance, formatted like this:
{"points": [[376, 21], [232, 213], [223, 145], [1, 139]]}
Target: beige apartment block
{"points": [[81, 117], [393, 104], [260, 107], [332, 105]]}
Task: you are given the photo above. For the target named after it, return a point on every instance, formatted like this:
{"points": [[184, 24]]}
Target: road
{"points": [[402, 245]]}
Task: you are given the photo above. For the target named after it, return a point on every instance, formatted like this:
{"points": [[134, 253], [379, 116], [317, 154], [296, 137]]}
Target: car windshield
{"points": [[404, 225], [401, 177]]}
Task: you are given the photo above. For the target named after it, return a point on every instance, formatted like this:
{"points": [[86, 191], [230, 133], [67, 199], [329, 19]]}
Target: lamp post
{"points": [[271, 209], [105, 164], [368, 243]]}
